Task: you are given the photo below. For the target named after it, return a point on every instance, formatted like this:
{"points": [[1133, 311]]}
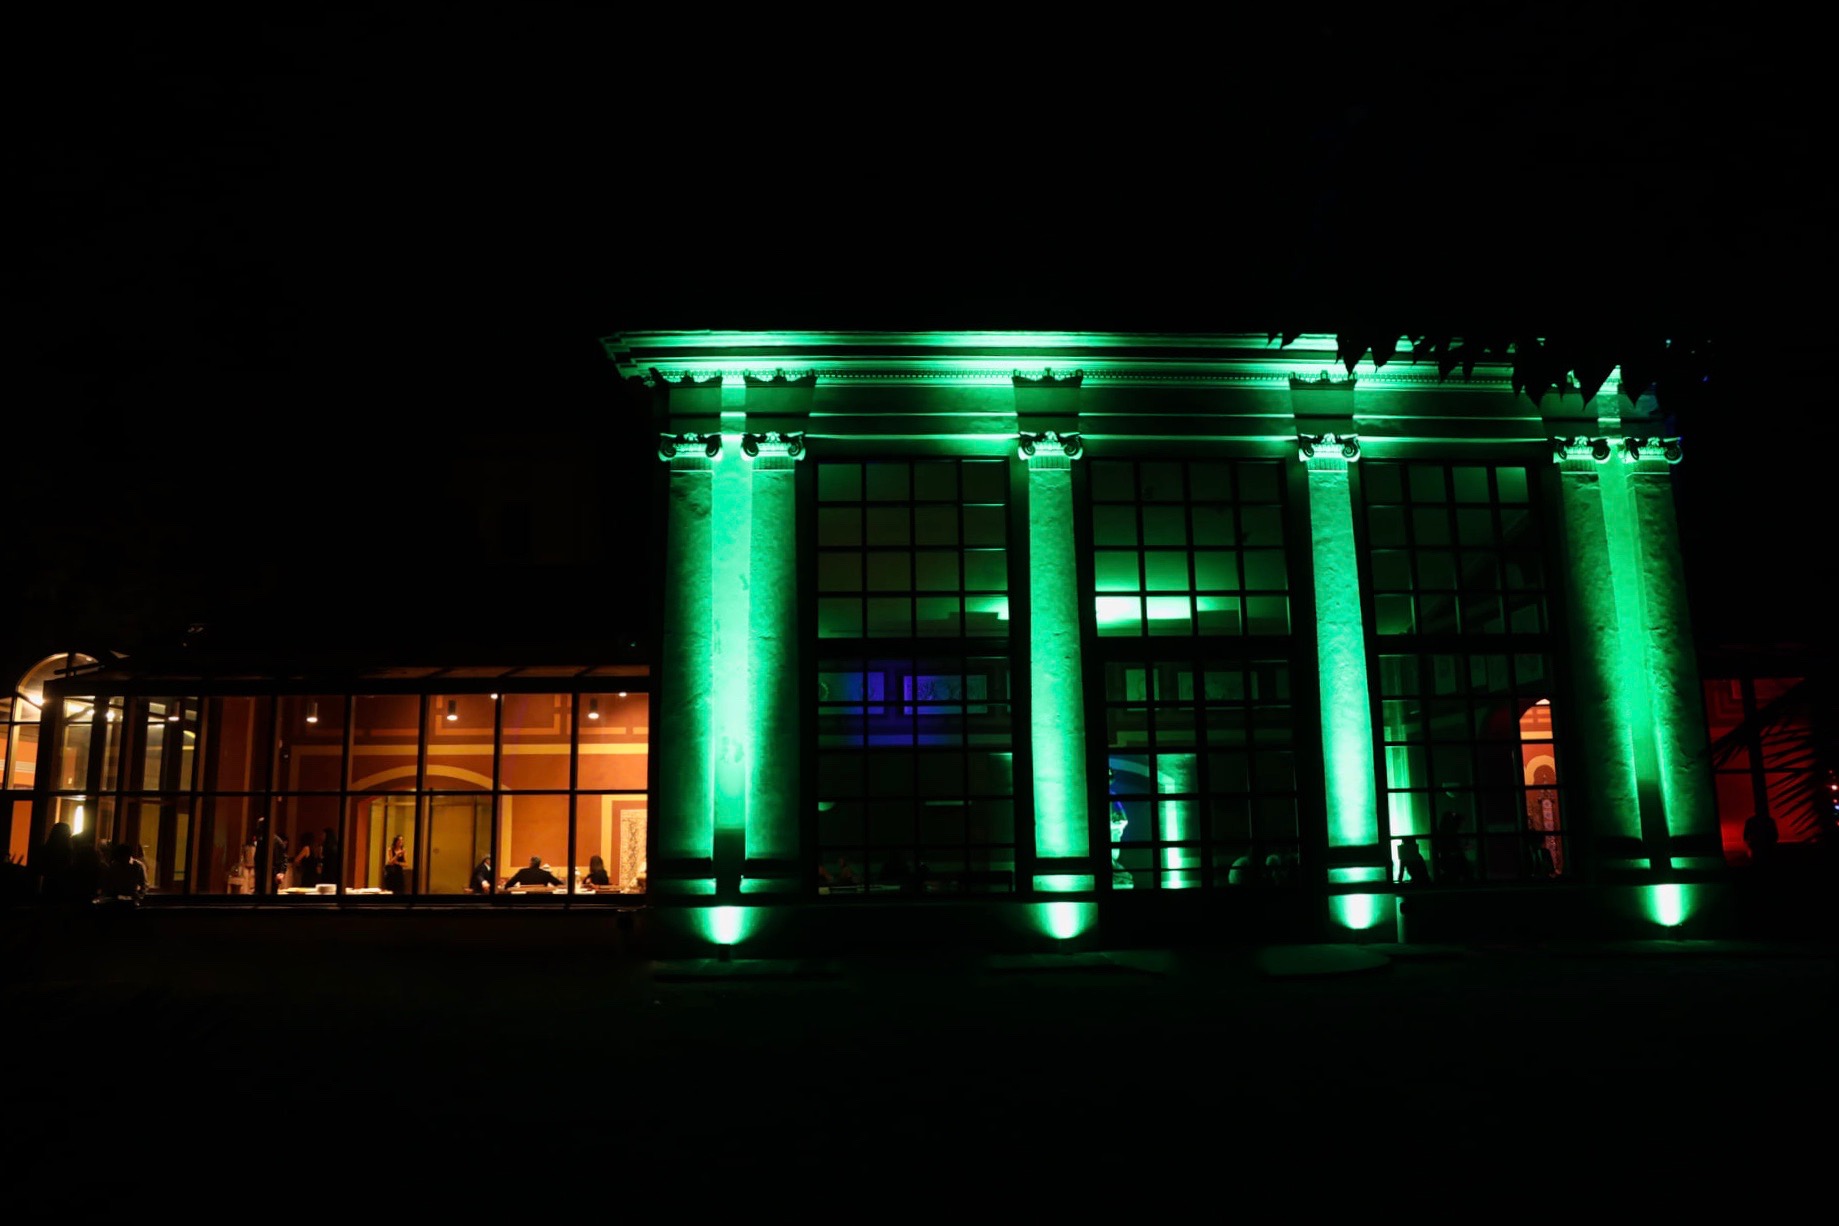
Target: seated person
{"points": [[597, 876], [124, 876], [483, 882], [533, 873]]}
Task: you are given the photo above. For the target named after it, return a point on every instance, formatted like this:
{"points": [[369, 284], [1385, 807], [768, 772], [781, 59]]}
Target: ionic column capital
{"points": [[689, 446], [774, 444], [1327, 452], [1050, 445]]}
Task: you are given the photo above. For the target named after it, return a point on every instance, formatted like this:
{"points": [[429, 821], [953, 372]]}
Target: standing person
{"points": [[1450, 864], [52, 864], [85, 866], [328, 857], [306, 863], [483, 881], [396, 867], [264, 882]]}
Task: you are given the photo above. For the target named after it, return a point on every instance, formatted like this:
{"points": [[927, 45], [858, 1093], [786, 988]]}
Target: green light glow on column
{"points": [[1347, 719], [726, 925], [1064, 920], [685, 788], [1056, 680], [1636, 694], [1669, 905], [1682, 769], [1602, 717], [772, 812], [731, 530], [1064, 883], [1359, 912]]}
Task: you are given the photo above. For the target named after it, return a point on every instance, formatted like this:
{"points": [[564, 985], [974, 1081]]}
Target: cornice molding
{"points": [[1047, 379], [1063, 360], [685, 381], [780, 379]]}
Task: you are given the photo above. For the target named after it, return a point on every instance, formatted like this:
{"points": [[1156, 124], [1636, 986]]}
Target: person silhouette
{"points": [[52, 864], [1449, 863], [1760, 833], [1411, 865]]}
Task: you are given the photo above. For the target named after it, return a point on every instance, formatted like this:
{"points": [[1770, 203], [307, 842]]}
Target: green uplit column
{"points": [[1056, 682], [1354, 850], [730, 692], [1605, 675], [682, 862], [773, 743], [1669, 666]]}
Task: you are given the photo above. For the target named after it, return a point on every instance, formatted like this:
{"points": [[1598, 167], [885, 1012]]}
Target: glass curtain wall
{"points": [[916, 773], [1191, 606], [1472, 767], [313, 797]]}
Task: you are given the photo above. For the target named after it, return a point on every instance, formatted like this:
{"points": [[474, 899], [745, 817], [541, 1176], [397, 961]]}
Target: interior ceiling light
{"points": [[593, 708], [453, 710], [313, 711], [172, 712]]}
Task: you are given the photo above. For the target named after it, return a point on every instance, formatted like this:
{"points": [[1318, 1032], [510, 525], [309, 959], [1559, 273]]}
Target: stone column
{"points": [[773, 863], [1603, 730], [1062, 837], [1355, 853], [683, 860], [1663, 630]]}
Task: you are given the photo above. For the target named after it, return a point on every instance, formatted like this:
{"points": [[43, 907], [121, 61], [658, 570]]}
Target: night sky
{"points": [[250, 246]]}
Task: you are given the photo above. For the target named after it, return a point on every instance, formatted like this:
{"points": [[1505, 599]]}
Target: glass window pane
{"points": [[1165, 526], [935, 482], [1113, 481], [1213, 525], [1264, 570], [937, 571], [839, 482], [890, 572], [1115, 571], [839, 526], [888, 526], [1114, 525], [986, 570], [1216, 571], [935, 525], [1471, 483], [1161, 481], [1170, 615], [1166, 571], [839, 618], [537, 730], [839, 572], [984, 526], [1261, 526], [887, 482], [1427, 483], [1119, 615], [985, 480]]}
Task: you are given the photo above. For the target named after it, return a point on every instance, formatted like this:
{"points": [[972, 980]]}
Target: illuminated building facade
{"points": [[1053, 634]]}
